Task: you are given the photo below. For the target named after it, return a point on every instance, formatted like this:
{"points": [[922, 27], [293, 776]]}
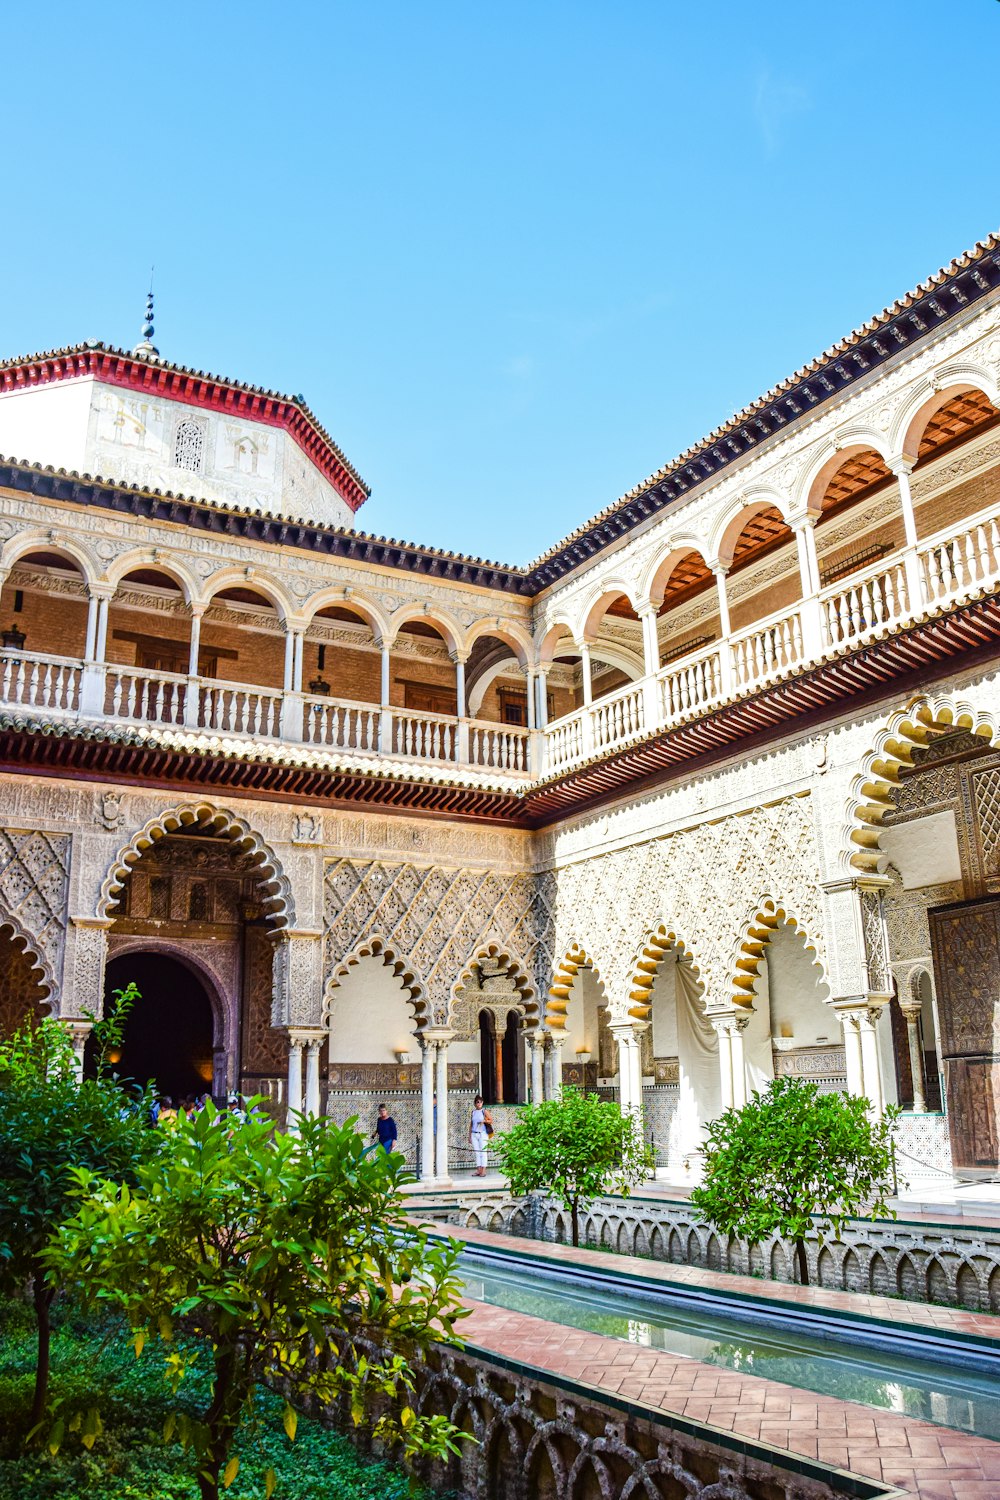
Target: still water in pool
{"points": [[937, 1392]]}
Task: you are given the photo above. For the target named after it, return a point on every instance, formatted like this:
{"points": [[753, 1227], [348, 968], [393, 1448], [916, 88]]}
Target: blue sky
{"points": [[516, 256]]}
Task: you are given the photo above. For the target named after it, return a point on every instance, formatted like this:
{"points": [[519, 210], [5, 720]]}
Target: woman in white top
{"points": [[478, 1135]]}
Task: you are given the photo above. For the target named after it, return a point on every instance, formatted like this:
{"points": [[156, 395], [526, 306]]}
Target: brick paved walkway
{"points": [[920, 1461]]}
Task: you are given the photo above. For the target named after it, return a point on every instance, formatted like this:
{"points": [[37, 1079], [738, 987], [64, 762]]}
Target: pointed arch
{"points": [[766, 916], [207, 815], [41, 970], [574, 959], [657, 943], [908, 729], [376, 946], [515, 966]]}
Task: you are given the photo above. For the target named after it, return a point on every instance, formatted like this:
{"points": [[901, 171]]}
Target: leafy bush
{"points": [[575, 1147], [96, 1368], [54, 1122], [265, 1249], [794, 1161]]}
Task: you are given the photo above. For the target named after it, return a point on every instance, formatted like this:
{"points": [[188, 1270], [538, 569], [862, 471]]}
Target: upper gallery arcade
{"points": [[660, 796]]}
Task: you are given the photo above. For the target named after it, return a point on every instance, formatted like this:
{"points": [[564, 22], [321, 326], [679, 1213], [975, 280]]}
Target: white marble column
{"points": [[729, 1028], [91, 640], [289, 677], [542, 688], [429, 1050], [314, 1047], [803, 529], [902, 467], [195, 645], [588, 685], [79, 1029], [553, 1065], [442, 1165], [293, 1099], [726, 672], [101, 637], [537, 1044], [911, 1015], [870, 1064]]}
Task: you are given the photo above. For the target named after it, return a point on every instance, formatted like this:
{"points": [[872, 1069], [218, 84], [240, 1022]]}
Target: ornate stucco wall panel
{"points": [[435, 919], [695, 883], [34, 888]]}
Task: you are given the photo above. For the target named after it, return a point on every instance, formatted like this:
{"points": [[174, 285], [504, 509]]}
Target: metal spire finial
{"points": [[146, 347]]}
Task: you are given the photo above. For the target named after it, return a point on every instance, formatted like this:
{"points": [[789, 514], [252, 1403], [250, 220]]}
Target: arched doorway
{"points": [[170, 1033], [488, 1056], [511, 1053], [196, 897]]}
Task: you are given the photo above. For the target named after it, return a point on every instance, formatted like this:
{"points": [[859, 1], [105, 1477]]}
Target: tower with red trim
{"points": [[134, 418]]}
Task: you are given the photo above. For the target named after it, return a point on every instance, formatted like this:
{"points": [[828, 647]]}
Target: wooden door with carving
{"points": [[965, 940]]}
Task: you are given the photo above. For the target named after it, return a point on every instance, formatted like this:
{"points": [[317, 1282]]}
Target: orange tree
{"points": [[793, 1162], [261, 1257], [576, 1148], [52, 1121]]}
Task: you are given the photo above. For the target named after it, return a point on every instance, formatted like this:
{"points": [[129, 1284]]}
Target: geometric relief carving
{"points": [[434, 919], [34, 887], [986, 798], [692, 882], [876, 947], [263, 1048], [966, 945]]}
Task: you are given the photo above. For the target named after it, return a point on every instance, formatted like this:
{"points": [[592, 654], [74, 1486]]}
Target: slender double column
{"points": [[434, 1164], [911, 1015], [309, 1041], [536, 1042], [554, 1044], [729, 1028], [626, 1035]]}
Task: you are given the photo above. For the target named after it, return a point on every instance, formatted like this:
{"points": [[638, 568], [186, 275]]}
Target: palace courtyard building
{"points": [[707, 794]]}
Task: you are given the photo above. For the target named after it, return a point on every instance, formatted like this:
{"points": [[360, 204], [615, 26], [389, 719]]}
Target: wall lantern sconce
{"points": [[582, 1055], [319, 685], [402, 1055], [13, 639]]}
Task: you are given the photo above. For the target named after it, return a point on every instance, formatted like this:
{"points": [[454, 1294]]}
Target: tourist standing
{"points": [[479, 1134], [385, 1129]]}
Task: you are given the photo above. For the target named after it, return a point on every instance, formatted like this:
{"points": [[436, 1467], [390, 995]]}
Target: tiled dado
{"points": [[888, 1453]]}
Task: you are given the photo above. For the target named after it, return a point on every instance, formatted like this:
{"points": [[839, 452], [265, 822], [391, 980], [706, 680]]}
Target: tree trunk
{"points": [[221, 1421], [43, 1303], [575, 1216], [802, 1262]]}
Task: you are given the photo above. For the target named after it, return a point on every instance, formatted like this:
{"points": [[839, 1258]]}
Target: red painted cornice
{"points": [[194, 388]]}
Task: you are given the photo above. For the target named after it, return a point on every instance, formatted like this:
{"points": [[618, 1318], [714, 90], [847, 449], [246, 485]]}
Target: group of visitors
{"points": [[164, 1111], [480, 1130]]}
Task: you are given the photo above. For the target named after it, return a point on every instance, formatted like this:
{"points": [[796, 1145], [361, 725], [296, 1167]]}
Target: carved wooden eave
{"points": [[905, 660]]}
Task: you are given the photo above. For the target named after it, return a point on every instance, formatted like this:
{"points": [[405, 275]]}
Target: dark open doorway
{"points": [[169, 1035]]}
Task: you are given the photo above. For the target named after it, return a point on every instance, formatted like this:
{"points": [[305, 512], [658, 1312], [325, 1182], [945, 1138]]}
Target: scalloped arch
{"points": [[376, 946], [557, 1003], [907, 730], [40, 968], [655, 945], [766, 917], [268, 869], [515, 966]]}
